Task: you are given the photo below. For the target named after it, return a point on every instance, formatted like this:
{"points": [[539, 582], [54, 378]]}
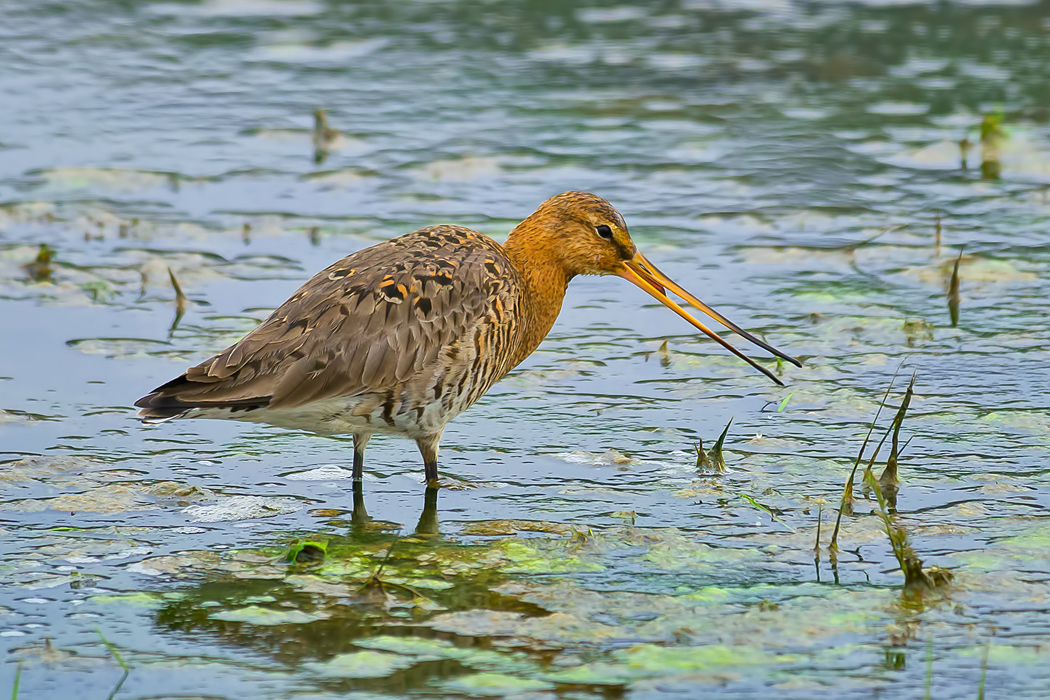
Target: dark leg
{"points": [[360, 442], [428, 447], [428, 519], [359, 515]]}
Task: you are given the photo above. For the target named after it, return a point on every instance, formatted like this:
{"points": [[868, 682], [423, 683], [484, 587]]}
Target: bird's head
{"points": [[585, 235]]}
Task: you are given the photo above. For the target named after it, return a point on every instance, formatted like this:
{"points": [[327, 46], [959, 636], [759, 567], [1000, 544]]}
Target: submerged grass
{"points": [[917, 580], [767, 510], [928, 687], [984, 670], [113, 650]]}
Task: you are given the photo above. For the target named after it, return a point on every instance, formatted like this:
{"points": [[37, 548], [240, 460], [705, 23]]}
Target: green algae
{"points": [[256, 615], [138, 600], [495, 684], [1008, 653], [438, 649], [410, 646], [360, 664], [538, 556], [658, 660], [644, 661], [305, 551]]}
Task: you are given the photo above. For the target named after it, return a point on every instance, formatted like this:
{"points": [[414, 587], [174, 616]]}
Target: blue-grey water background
{"points": [[792, 163]]}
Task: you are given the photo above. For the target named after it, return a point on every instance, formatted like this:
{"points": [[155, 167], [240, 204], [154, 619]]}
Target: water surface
{"points": [[790, 162]]}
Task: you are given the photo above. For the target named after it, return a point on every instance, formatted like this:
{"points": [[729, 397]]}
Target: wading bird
{"points": [[402, 337]]}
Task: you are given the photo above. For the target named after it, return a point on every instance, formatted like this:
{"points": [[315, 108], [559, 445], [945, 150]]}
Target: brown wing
{"points": [[369, 322]]}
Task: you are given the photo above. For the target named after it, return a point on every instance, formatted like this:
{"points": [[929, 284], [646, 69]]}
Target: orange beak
{"points": [[644, 274]]}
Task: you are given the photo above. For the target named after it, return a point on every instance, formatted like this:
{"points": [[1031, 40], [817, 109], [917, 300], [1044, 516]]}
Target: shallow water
{"points": [[789, 162]]}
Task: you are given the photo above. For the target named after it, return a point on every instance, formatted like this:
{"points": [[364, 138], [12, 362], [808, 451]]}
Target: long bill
{"points": [[644, 274]]}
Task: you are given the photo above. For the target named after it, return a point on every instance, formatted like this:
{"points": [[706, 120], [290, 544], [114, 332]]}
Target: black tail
{"points": [[165, 403]]}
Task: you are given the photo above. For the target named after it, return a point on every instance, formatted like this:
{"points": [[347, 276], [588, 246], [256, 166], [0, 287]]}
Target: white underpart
{"points": [[331, 417]]}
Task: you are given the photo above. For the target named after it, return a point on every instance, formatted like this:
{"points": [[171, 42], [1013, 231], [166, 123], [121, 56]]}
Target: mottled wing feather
{"points": [[367, 323]]}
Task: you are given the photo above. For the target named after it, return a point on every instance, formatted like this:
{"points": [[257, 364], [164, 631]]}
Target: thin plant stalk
{"points": [[120, 660], [112, 650], [929, 669], [953, 292], [938, 235], [180, 300], [984, 670], [847, 493], [816, 545], [889, 481]]}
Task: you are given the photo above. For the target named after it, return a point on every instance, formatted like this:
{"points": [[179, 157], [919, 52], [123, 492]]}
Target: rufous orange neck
{"points": [[535, 256]]}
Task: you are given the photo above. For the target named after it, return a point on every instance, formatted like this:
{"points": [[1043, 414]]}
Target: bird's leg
{"points": [[428, 447], [428, 519], [359, 515], [360, 442]]}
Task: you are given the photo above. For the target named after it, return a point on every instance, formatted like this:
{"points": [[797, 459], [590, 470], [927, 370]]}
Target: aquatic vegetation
{"points": [[40, 269], [119, 659], [180, 300], [847, 502], [712, 460], [953, 292], [917, 580], [889, 483], [305, 551]]}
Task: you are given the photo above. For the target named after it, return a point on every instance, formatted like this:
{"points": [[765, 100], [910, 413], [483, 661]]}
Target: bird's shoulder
{"points": [[432, 271]]}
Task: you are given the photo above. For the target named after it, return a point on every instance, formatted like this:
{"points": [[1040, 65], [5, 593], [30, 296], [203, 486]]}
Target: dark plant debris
{"points": [[713, 460], [816, 544], [39, 270], [664, 355], [702, 463], [305, 552], [180, 300], [937, 235], [717, 461]]}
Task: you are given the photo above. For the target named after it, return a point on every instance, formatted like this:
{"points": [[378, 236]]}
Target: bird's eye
{"points": [[605, 232]]}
